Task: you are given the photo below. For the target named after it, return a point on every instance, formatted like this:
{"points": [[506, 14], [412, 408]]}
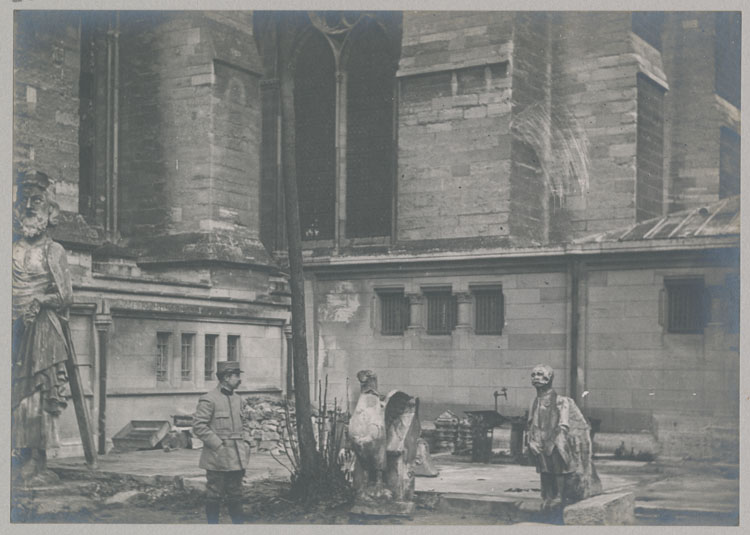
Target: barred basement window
{"points": [[488, 310], [394, 312], [162, 356], [209, 353], [186, 359], [441, 311], [233, 348], [686, 305]]}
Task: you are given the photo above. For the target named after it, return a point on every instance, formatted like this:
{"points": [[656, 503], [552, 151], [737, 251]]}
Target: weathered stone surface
{"points": [[122, 497], [603, 510]]}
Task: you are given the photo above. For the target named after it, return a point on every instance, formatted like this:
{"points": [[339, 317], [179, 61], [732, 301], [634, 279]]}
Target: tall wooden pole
{"points": [[308, 464]]}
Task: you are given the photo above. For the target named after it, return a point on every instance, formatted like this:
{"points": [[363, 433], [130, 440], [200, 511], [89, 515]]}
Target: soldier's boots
{"points": [[212, 511], [235, 512]]}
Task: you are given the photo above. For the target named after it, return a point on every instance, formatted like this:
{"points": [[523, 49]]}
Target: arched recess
{"points": [[315, 123], [370, 68]]}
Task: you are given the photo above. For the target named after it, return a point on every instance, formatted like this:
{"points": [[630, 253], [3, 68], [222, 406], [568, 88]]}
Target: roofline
{"points": [[601, 248]]}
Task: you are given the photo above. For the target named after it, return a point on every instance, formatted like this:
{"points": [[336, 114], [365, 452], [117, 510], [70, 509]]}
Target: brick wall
{"points": [[453, 131], [45, 118]]}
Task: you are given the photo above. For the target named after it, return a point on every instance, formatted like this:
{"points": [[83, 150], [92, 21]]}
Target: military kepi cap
{"points": [[228, 367]]}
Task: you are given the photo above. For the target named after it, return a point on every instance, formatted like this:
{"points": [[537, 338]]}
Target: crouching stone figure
{"points": [[382, 434], [559, 442]]}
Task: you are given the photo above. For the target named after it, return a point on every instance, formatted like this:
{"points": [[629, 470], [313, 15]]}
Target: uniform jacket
{"points": [[218, 423]]}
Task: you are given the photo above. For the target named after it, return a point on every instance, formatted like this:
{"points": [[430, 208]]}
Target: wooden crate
{"points": [[141, 434]]}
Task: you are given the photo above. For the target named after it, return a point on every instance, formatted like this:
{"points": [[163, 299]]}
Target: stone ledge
{"points": [[602, 510]]}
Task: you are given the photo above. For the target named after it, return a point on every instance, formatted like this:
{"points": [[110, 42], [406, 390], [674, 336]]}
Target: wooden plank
{"points": [[79, 403]]}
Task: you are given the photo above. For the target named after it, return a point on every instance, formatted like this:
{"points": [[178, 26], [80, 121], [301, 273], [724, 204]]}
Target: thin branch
{"points": [[278, 461]]}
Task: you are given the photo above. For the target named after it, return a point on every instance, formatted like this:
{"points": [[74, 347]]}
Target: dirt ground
{"points": [[85, 501]]}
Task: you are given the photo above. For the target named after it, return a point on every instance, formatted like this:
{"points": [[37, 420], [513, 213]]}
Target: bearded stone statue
{"points": [[42, 295]]}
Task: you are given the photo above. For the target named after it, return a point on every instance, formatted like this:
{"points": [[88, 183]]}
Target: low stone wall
{"points": [[266, 418], [699, 438]]}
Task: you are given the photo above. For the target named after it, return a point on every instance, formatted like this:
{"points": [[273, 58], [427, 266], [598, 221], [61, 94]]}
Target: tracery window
{"points": [[344, 79]]}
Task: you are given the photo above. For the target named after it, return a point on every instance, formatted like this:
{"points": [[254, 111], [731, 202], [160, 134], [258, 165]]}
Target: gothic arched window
{"points": [[315, 123], [369, 127]]}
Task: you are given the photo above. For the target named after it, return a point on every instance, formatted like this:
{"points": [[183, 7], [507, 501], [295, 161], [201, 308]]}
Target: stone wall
{"points": [[532, 103], [689, 46], [593, 88], [133, 354], [635, 369], [453, 129], [459, 371], [197, 167], [45, 115]]}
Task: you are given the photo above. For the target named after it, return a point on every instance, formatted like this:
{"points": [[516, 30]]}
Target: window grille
{"points": [[488, 311], [209, 361], [162, 357], [686, 306], [233, 348], [186, 360], [394, 312], [441, 312]]}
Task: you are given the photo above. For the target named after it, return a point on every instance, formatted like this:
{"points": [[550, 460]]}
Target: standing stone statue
{"points": [[560, 444], [42, 294], [383, 434]]}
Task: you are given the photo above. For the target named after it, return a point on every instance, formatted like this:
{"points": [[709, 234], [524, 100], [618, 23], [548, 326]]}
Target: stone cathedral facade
{"points": [[479, 192]]}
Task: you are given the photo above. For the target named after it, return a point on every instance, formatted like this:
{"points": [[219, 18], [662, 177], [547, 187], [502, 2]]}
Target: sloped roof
{"points": [[718, 219]]}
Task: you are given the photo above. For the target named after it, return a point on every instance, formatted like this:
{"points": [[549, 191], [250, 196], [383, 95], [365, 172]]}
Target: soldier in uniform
{"points": [[226, 443]]}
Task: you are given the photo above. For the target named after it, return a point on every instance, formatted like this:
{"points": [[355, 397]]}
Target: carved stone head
{"points": [[368, 380], [34, 209], [542, 376]]}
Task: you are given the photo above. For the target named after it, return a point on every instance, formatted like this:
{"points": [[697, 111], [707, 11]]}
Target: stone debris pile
{"points": [[266, 418]]}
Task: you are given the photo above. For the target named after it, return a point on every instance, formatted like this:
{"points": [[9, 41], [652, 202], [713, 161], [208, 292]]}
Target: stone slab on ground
{"points": [[484, 505], [603, 510]]}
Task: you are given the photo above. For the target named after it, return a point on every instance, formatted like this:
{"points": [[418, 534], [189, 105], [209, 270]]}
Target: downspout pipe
{"points": [[116, 127], [575, 323], [108, 138]]}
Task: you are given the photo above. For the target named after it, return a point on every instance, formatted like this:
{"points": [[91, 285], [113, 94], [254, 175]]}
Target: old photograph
{"points": [[403, 268]]}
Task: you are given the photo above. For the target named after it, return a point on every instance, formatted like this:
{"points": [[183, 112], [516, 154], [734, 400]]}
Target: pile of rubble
{"points": [[266, 418]]}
